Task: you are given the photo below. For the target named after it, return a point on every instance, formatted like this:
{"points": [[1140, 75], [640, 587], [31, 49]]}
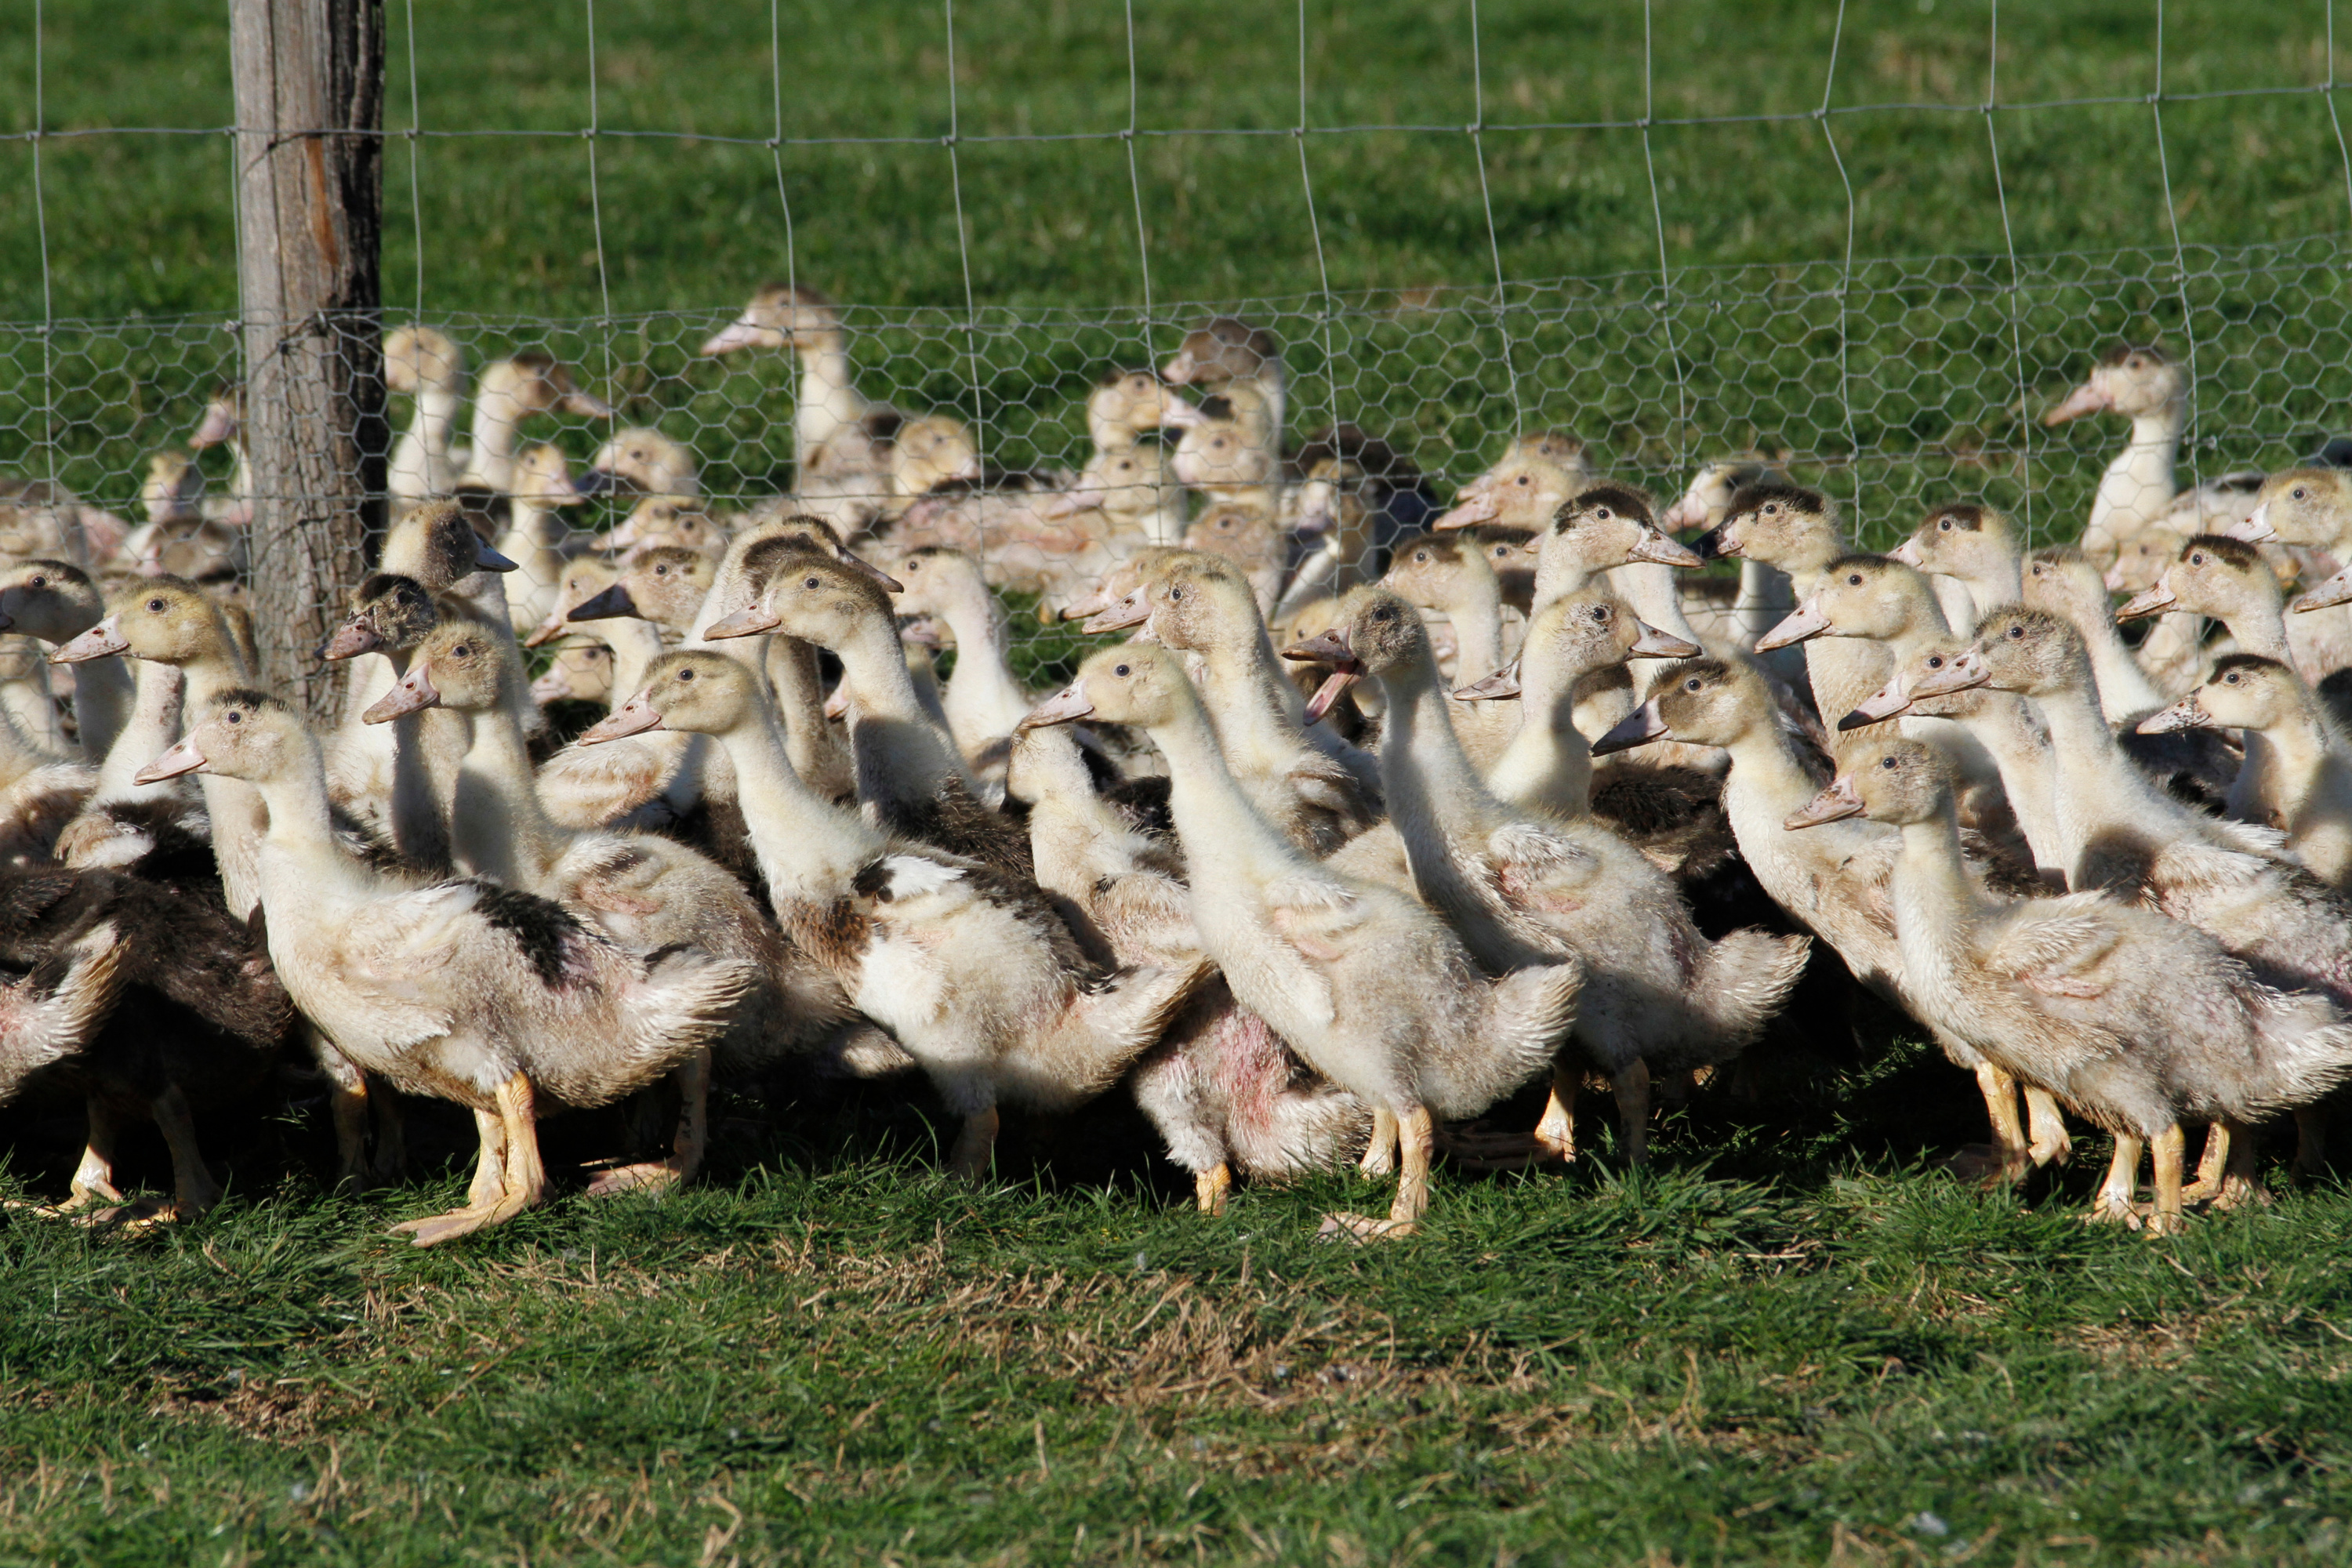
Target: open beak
{"points": [[2088, 398], [1655, 644], [1067, 705], [1639, 728], [352, 638], [634, 717], [2149, 601], [1330, 647], [1906, 553], [1715, 544], [2254, 528], [736, 335], [1881, 705], [1334, 686], [1502, 683], [1835, 804], [2335, 590], [1132, 611], [860, 564], [750, 621], [183, 758], [837, 702], [2186, 714], [414, 694], [487, 559], [1803, 622], [104, 638], [1656, 548], [613, 602], [1470, 507], [1964, 672]]}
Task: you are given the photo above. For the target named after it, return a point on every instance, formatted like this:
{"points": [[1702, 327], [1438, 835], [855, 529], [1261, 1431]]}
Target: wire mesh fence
{"points": [[1897, 384]]}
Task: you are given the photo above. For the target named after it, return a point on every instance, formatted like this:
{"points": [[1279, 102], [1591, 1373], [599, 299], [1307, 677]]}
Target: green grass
{"points": [[1786, 1343]]}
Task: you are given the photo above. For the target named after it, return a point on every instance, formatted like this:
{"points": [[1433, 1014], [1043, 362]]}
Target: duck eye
{"points": [[1520, 480], [1853, 579], [154, 606], [686, 675], [233, 716], [40, 581], [463, 650], [2017, 632], [1123, 672], [661, 571], [2298, 492], [2231, 679], [2198, 559], [1422, 556], [810, 582], [1602, 514], [1175, 593], [1886, 762], [1944, 526], [1935, 662], [1692, 684]]}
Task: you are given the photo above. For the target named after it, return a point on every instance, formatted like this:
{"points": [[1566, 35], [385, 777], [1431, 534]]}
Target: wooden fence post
{"points": [[309, 110]]}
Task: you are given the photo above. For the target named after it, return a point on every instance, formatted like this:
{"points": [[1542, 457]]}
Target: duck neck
{"points": [[497, 417], [2006, 725], [1934, 903], [2138, 486], [810, 850], [2092, 781], [1110, 436], [1997, 585], [1258, 715], [828, 400], [1433, 791], [104, 697], [2259, 626], [238, 815], [1656, 595], [982, 698], [1476, 609], [429, 752], [2124, 688], [498, 815], [296, 858], [798, 681], [154, 725], [1548, 765], [1226, 837], [437, 419], [635, 644]]}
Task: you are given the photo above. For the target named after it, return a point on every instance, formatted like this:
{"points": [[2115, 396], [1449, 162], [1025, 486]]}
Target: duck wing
{"points": [[2057, 946]]}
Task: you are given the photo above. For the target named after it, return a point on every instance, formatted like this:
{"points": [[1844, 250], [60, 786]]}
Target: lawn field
{"points": [[1792, 1339]]}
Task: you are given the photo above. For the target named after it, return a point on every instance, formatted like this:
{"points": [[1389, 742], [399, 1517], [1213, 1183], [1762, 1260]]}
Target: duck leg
{"points": [[1556, 1132], [1631, 1085], [2006, 1158], [2113, 1206], [1380, 1154], [1416, 1141], [93, 1178], [2238, 1188], [1479, 1148], [194, 1189], [975, 1145], [2167, 1148], [2216, 1158], [524, 1184], [2047, 1126], [693, 1139], [1210, 1187], [489, 1183]]}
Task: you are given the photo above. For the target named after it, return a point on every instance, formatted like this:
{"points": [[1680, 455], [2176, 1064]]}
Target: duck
{"points": [[1522, 890], [1222, 456], [1371, 988], [509, 392], [1764, 597], [1337, 537], [536, 534], [1228, 1097], [1252, 541], [2143, 384], [781, 316], [424, 364], [1523, 490], [1124, 499], [1833, 879], [178, 537], [2297, 776], [982, 703], [2309, 509], [975, 974], [1229, 358], [911, 781], [578, 672], [1128, 405], [2137, 1022], [1973, 545], [2227, 580], [1450, 575], [642, 461], [223, 425], [646, 892], [54, 602], [1318, 789]]}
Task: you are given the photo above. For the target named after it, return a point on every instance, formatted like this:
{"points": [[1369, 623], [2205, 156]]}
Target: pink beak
{"points": [[2149, 601], [737, 334], [1906, 553], [743, 622], [414, 694], [2186, 714], [2088, 398], [1884, 703], [1131, 611], [101, 640], [1840, 801], [634, 717], [1064, 706], [1804, 622], [1469, 510], [183, 758]]}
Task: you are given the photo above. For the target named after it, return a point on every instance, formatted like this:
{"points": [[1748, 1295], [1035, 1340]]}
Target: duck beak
{"points": [[1835, 804], [1131, 611], [923, 632], [1965, 672], [587, 404], [352, 638], [634, 717], [860, 564], [487, 559], [2088, 398], [1882, 704], [1069, 503], [594, 482], [1087, 606], [1471, 507], [1177, 372], [1806, 621], [837, 702], [748, 622], [1334, 686], [1655, 644], [1656, 548], [552, 687], [1175, 414], [614, 602], [183, 758], [2186, 714], [1715, 544], [737, 334], [548, 630], [2254, 528], [1502, 683], [101, 640], [414, 694], [2114, 576], [1067, 705], [2149, 601], [2335, 590], [1639, 728], [1686, 512], [1330, 647], [1906, 553]]}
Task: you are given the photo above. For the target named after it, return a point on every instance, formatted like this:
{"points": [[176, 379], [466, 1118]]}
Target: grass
{"points": [[1789, 1341]]}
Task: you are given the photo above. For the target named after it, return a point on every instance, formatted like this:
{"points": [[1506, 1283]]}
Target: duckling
{"points": [[646, 892], [509, 392], [2298, 772], [1521, 890], [819, 749], [1974, 546], [422, 363], [2143, 385], [1523, 490], [462, 990], [1450, 573], [2136, 1021], [643, 461], [911, 779], [1251, 541], [1764, 596], [974, 973], [2309, 509], [1128, 405], [2227, 580], [1337, 526], [1834, 881], [223, 425], [1224, 1090], [1318, 789], [1243, 364], [535, 535], [178, 537], [982, 703], [1374, 991], [803, 321], [1125, 499], [934, 450], [580, 672], [1223, 456], [665, 584], [55, 602]]}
